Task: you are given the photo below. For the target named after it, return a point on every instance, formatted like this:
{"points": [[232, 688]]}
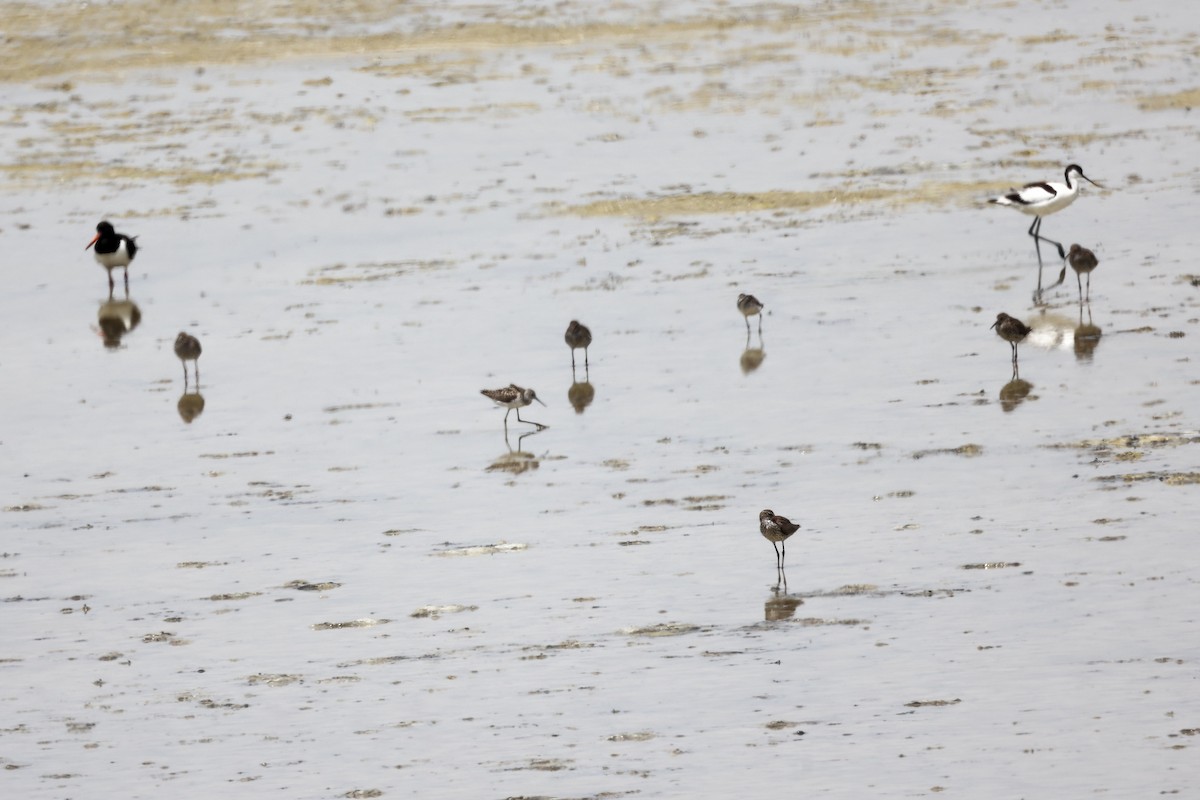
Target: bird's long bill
{"points": [[95, 239], [994, 324], [540, 401], [1089, 180]]}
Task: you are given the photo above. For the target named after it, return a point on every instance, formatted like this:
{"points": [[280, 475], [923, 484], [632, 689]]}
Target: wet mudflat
{"points": [[329, 573]]}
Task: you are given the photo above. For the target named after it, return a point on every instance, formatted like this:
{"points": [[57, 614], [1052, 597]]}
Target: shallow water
{"points": [[341, 578]]}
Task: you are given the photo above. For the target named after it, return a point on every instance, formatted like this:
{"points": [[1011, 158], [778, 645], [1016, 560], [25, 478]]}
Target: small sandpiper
{"points": [[113, 250], [577, 336], [749, 305], [1011, 330], [187, 348], [776, 529], [1083, 261], [513, 396]]}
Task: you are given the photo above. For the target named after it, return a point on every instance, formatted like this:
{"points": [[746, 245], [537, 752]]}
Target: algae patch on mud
{"points": [[719, 203], [931, 192], [1169, 478], [662, 629], [94, 39], [967, 450], [354, 623], [1185, 100], [36, 173], [483, 549]]}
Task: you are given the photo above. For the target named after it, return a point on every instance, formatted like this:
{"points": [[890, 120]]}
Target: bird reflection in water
{"points": [[516, 461], [752, 357], [1087, 336], [117, 318], [581, 395], [190, 405], [1039, 293], [781, 605], [1013, 393]]}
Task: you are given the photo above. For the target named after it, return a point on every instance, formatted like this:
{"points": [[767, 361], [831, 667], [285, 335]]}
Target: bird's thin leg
{"points": [[1037, 234], [506, 413], [783, 558], [585, 359], [778, 563], [185, 375], [1061, 252], [572, 359], [1034, 231], [759, 325], [747, 324], [197, 374], [1089, 291], [111, 285], [127, 281], [528, 421]]}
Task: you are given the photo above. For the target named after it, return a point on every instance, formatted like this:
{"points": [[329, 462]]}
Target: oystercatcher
{"points": [[113, 250]]}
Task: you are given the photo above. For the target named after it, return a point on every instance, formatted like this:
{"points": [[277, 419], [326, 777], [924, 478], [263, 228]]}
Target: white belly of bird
{"points": [[113, 260]]}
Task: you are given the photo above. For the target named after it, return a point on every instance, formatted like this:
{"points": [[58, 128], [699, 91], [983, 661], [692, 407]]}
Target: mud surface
{"points": [[326, 571]]}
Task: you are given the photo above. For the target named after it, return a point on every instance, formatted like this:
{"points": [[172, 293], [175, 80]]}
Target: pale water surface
{"points": [[340, 579]]}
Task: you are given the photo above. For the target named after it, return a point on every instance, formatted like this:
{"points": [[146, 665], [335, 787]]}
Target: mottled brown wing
{"points": [[786, 525]]}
